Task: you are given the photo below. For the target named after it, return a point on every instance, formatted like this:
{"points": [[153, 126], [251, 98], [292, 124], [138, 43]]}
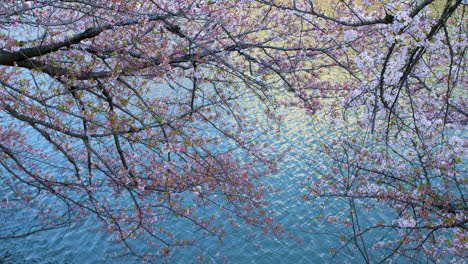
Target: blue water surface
{"points": [[79, 242]]}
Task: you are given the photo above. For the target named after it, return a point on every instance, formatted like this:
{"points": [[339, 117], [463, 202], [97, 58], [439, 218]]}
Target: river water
{"points": [[80, 243]]}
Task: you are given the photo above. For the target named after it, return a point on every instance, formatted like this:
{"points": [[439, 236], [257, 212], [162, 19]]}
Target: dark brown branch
{"points": [[9, 58]]}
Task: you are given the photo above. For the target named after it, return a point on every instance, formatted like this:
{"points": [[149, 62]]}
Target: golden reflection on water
{"points": [[299, 135]]}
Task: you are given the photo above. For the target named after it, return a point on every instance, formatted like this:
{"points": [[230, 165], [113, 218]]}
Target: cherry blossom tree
{"points": [[129, 112], [396, 143], [132, 112]]}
